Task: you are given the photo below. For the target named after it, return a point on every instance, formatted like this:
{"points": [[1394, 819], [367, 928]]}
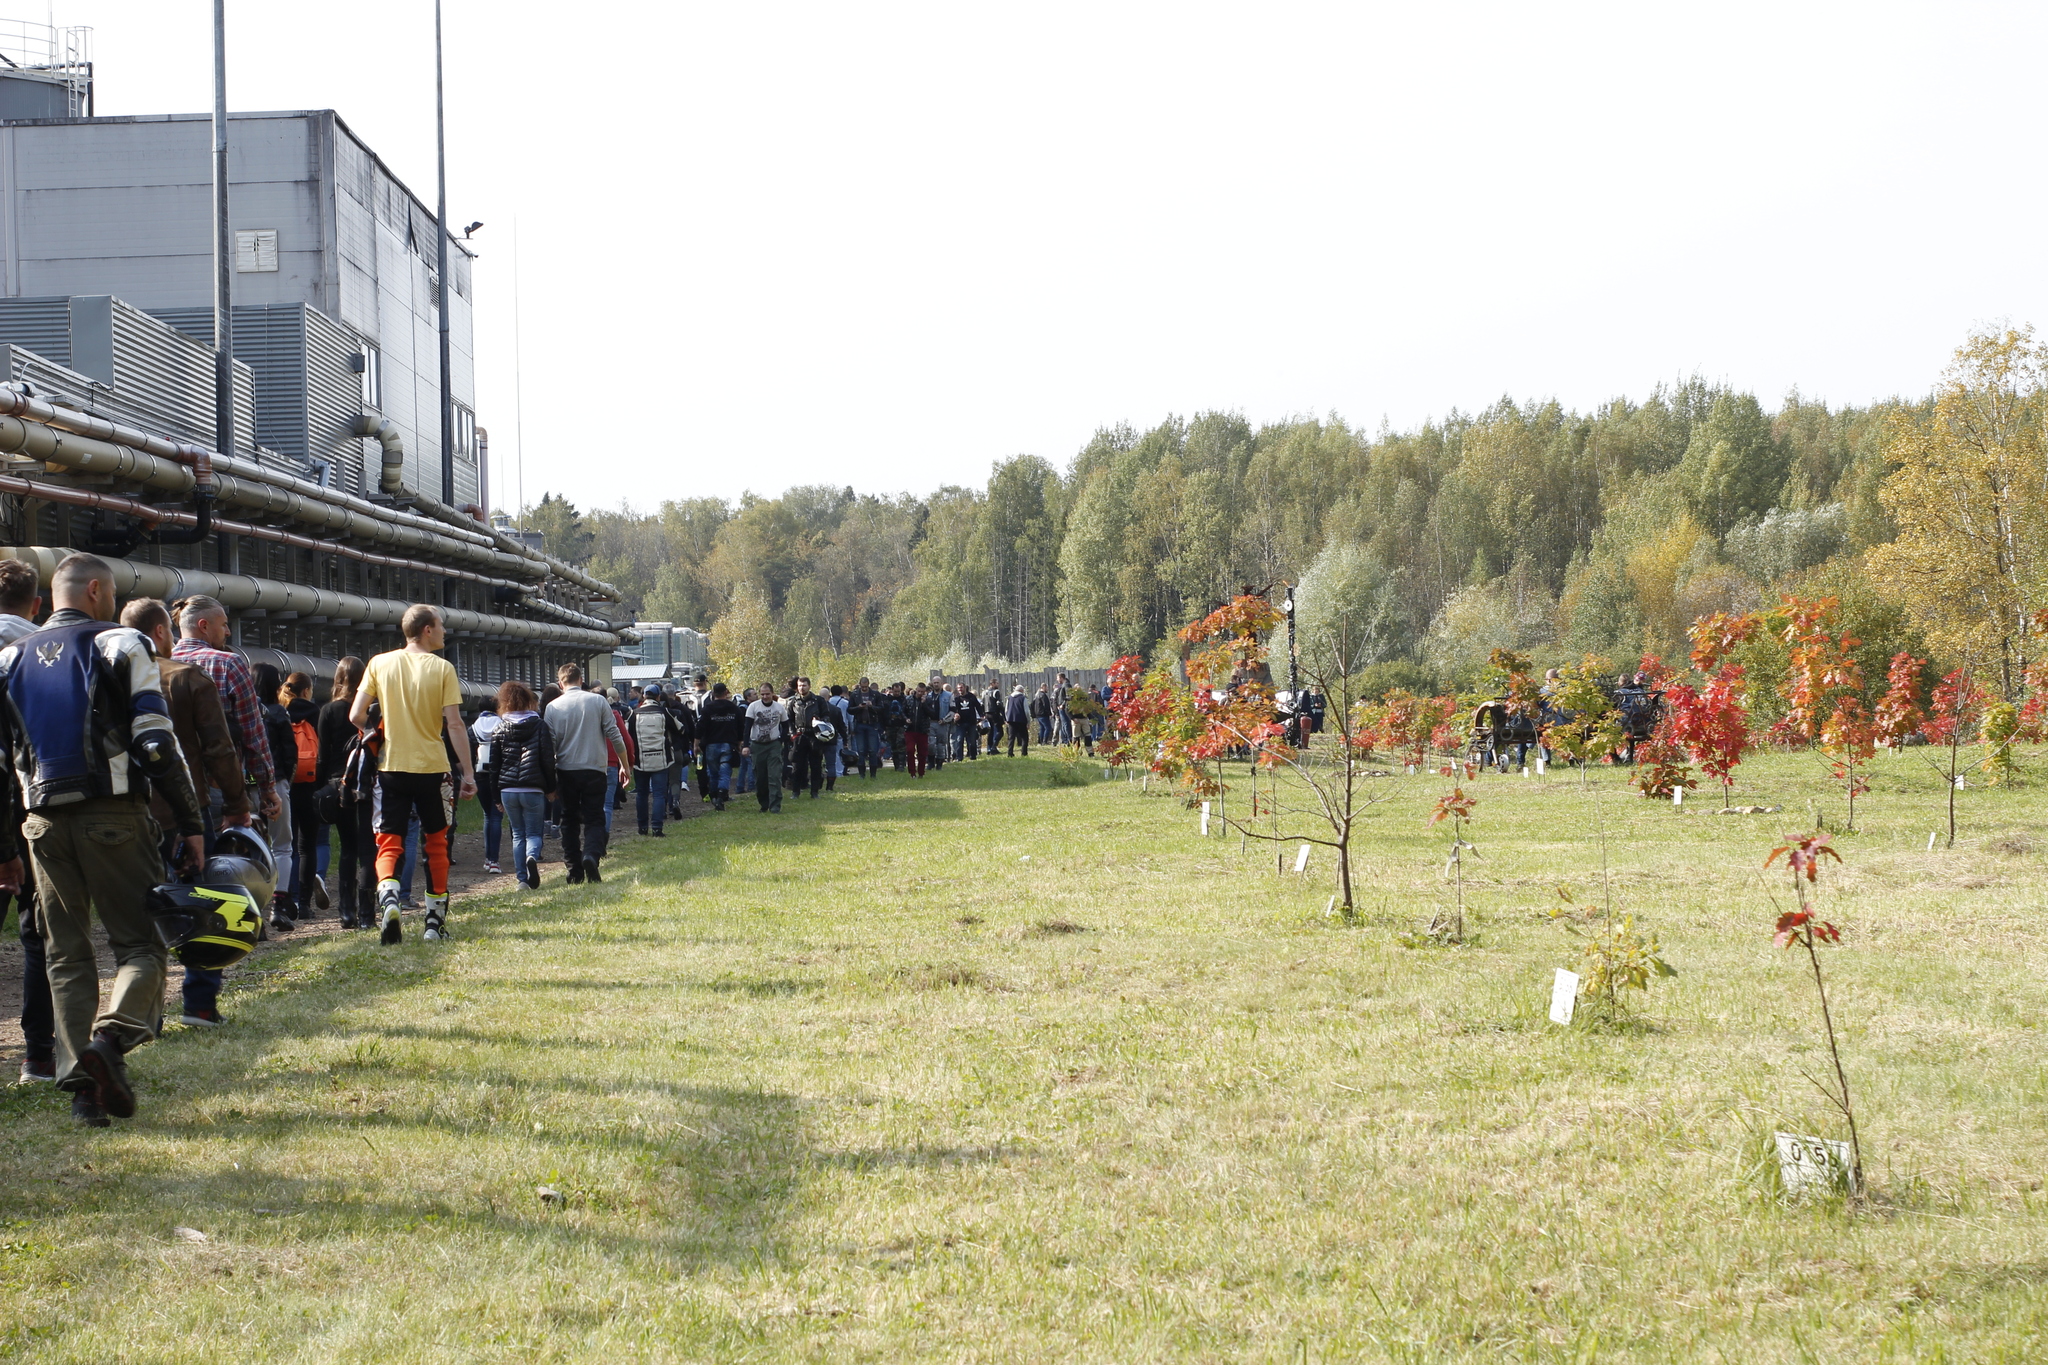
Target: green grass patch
{"points": [[980, 1068]]}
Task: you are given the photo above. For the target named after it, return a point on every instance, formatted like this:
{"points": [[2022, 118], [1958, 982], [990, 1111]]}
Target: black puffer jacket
{"points": [[523, 754]]}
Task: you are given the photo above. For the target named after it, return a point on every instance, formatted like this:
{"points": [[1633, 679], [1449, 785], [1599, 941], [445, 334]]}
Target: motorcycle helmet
{"points": [[240, 857], [824, 731], [208, 927]]}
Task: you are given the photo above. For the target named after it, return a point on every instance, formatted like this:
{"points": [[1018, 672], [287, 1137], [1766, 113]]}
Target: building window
{"points": [[465, 432], [369, 364], [256, 250]]}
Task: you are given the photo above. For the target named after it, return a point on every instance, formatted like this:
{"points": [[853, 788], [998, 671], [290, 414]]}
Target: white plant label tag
{"points": [[1526, 772], [1411, 770], [1542, 767], [1930, 841], [1301, 859], [1564, 996], [1330, 910], [1812, 1163], [1959, 784], [1205, 819], [1678, 796]]}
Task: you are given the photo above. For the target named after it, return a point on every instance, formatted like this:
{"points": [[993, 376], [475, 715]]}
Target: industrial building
{"points": [[323, 521]]}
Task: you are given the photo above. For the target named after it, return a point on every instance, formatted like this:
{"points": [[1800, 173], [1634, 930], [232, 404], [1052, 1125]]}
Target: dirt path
{"points": [[465, 878]]}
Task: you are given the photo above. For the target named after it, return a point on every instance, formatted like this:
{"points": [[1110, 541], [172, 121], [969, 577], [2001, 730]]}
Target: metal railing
{"points": [[62, 52]]}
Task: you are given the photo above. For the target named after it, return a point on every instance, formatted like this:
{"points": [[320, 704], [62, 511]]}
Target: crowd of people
{"points": [[197, 802]]}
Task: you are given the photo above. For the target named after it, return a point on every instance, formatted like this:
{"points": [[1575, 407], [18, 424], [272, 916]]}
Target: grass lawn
{"points": [[980, 1069]]}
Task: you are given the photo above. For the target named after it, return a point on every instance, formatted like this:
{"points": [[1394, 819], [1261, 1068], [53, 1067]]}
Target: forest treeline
{"points": [[1528, 526]]}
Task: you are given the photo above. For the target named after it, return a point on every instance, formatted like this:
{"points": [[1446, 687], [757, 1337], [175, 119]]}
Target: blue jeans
{"points": [[867, 748], [743, 774], [494, 830], [650, 788], [527, 813], [718, 763], [611, 797], [1045, 729]]}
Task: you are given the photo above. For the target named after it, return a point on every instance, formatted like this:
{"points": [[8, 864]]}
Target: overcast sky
{"points": [[887, 245]]}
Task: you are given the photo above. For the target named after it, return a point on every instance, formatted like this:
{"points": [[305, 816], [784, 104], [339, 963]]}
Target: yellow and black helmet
{"points": [[211, 924]]}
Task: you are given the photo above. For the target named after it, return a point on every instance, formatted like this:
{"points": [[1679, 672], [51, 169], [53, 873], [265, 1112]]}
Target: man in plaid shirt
{"points": [[205, 630]]}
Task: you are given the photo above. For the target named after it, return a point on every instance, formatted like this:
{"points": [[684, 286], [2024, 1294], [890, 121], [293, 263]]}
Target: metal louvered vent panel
{"points": [[333, 397], [41, 325], [164, 379]]}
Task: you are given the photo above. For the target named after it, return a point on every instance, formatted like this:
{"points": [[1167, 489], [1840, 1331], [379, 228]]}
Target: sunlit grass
{"points": [[980, 1069]]}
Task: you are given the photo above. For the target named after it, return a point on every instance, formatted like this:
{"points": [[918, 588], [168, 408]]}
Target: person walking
{"points": [[284, 751], [895, 717], [586, 733], [659, 745], [481, 731], [918, 714], [354, 830], [992, 716], [212, 763], [308, 834], [1041, 712], [1063, 723], [966, 723], [203, 638], [522, 768], [85, 725], [20, 599], [939, 703], [419, 701], [767, 721], [1018, 714], [695, 698], [866, 709], [721, 728], [807, 751]]}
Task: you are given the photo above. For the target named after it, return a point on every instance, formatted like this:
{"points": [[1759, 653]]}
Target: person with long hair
{"points": [[521, 767], [358, 842]]}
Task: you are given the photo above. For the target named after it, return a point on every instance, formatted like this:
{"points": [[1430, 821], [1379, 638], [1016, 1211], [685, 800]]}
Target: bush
{"points": [[1395, 675]]}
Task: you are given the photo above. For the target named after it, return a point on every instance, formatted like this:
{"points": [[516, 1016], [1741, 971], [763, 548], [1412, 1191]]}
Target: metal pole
{"points": [[441, 246], [518, 406], [1293, 674], [223, 247]]}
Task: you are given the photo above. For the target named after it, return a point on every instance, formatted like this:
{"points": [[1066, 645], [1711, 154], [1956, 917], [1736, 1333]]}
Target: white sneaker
{"points": [[320, 891]]}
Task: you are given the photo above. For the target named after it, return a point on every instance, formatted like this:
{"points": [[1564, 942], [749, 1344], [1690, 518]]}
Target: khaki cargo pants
{"points": [[104, 853]]}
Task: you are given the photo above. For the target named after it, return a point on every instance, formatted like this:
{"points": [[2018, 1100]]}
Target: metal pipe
{"points": [[243, 592], [223, 246], [391, 475], [441, 248], [419, 534]]}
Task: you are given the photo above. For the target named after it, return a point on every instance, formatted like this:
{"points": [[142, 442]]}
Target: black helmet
{"points": [[207, 926], [240, 858]]}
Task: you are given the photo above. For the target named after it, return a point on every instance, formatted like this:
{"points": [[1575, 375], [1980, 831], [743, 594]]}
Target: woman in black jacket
{"points": [[358, 842], [522, 767], [284, 756]]}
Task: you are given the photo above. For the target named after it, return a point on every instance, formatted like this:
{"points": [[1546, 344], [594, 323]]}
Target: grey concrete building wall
{"points": [[123, 206]]}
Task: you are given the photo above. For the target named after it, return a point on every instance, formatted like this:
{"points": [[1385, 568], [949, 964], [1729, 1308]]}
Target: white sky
{"points": [[886, 245]]}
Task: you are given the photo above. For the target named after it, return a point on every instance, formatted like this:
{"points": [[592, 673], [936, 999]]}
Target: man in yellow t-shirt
{"points": [[418, 698]]}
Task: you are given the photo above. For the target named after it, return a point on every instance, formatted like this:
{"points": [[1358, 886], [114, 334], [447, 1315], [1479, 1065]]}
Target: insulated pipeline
{"points": [[241, 592], [90, 455]]}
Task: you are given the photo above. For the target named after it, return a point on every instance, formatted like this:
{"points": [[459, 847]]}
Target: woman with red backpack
{"points": [[308, 833]]}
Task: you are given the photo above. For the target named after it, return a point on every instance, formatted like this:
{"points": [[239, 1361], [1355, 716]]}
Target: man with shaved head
{"points": [[84, 721]]}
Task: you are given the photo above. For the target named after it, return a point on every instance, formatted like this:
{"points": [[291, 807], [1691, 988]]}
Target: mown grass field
{"points": [[980, 1069]]}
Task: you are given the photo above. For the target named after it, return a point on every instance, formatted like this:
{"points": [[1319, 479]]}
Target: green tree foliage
{"points": [[745, 645], [559, 521], [1527, 527]]}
